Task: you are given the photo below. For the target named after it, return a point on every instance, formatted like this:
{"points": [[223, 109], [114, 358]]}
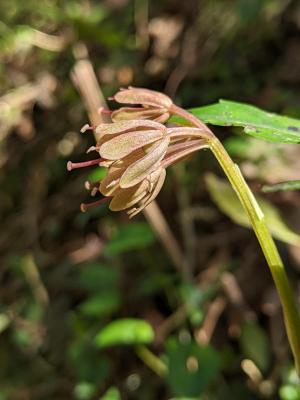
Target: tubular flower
{"points": [[132, 151], [149, 104], [136, 153]]}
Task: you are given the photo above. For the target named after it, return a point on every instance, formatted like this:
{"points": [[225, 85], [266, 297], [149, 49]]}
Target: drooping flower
{"points": [[149, 104], [133, 198], [132, 151], [136, 152]]}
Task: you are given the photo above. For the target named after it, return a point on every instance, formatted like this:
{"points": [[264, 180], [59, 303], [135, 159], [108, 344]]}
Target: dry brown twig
{"points": [[205, 278], [14, 103], [215, 310], [85, 80]]}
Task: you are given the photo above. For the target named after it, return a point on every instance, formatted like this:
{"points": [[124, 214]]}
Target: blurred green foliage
{"points": [[255, 345], [191, 368], [125, 332], [290, 185], [68, 278], [224, 196]]}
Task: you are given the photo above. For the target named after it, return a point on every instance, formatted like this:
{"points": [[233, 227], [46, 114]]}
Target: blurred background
{"points": [[185, 286]]}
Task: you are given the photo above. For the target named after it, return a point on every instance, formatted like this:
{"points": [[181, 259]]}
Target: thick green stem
{"points": [[290, 312], [256, 216]]}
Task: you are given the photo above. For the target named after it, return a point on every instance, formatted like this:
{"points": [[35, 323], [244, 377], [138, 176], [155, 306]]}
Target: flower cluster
{"points": [[136, 148]]}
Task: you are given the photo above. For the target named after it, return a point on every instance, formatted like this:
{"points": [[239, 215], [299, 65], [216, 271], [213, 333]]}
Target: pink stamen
{"points": [[86, 206], [71, 165], [93, 187], [104, 110]]}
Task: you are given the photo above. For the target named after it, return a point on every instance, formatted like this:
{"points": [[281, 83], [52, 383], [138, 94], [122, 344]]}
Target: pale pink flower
{"points": [[136, 152], [148, 104]]}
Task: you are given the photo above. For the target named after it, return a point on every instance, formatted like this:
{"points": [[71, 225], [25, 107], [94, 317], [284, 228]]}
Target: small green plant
{"points": [[137, 147]]}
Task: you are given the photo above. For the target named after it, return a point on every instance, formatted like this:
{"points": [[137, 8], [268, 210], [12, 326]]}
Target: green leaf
{"points": [[289, 392], [226, 199], [256, 122], [4, 322], [130, 237], [234, 391], [86, 363], [127, 331], [255, 345], [101, 281], [97, 174], [84, 391], [192, 368], [111, 394], [289, 185], [96, 277], [185, 398], [290, 376], [100, 305]]}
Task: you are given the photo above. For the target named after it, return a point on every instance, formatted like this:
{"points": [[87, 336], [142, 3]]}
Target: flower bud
{"points": [[149, 104]]}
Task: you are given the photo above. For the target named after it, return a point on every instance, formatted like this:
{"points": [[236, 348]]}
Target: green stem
{"points": [[290, 312], [256, 216], [151, 360]]}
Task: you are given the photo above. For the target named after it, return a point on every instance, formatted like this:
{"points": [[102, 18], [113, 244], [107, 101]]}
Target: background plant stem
{"points": [[256, 216], [151, 360]]}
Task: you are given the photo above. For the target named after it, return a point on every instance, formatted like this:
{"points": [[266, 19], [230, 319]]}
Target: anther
{"points": [[87, 127], [91, 185], [92, 148], [86, 206], [71, 165], [94, 191]]}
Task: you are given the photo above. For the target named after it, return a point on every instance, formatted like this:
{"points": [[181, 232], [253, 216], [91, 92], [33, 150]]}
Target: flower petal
{"points": [[106, 163], [143, 96], [126, 198], [129, 113], [128, 160], [143, 167], [110, 184], [158, 185], [147, 200], [125, 144], [119, 127]]}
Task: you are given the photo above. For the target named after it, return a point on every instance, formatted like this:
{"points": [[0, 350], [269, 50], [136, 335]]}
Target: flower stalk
{"points": [[137, 148], [257, 219]]}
